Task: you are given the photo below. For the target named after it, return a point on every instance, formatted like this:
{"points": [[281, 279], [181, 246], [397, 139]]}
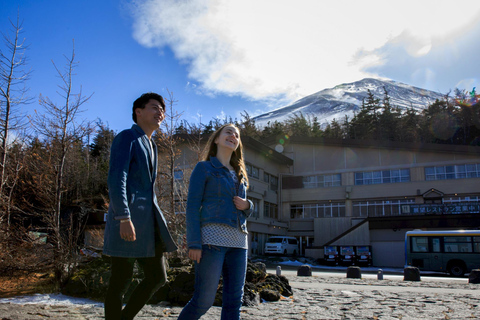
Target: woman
{"points": [[217, 209]]}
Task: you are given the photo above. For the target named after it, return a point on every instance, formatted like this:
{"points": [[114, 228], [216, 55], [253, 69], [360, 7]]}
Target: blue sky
{"points": [[219, 58]]}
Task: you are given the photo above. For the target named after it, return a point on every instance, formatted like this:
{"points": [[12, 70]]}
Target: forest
{"points": [[54, 164]]}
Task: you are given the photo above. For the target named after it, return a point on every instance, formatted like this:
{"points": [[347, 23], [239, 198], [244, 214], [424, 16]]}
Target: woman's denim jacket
{"points": [[210, 200]]}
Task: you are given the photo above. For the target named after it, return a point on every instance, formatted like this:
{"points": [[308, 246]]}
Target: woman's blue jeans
{"points": [[216, 261]]}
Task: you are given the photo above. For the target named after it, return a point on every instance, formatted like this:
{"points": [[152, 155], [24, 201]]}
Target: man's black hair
{"points": [[143, 100]]}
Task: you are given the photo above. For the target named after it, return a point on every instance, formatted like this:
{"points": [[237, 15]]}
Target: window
{"points": [[271, 180], [386, 176], [476, 244], [436, 244], [270, 210], [377, 208], [292, 241], [419, 244], [458, 244], [317, 210], [452, 172], [252, 171], [322, 181]]}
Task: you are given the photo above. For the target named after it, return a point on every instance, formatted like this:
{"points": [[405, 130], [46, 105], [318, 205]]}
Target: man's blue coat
{"points": [[131, 187]]}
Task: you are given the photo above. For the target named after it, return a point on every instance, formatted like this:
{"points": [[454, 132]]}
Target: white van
{"points": [[281, 245]]}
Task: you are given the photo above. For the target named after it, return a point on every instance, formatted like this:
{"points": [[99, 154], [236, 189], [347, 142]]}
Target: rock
{"points": [[270, 295], [255, 272], [251, 297], [304, 271], [91, 281], [411, 274], [276, 283], [180, 290], [261, 266], [354, 272], [474, 276]]}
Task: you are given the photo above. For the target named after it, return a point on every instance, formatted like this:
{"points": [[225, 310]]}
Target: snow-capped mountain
{"points": [[345, 99]]}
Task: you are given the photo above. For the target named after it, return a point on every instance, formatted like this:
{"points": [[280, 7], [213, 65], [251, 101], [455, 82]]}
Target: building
{"points": [[357, 192]]}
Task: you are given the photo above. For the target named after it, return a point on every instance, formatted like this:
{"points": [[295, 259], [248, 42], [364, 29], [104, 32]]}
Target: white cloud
{"points": [[283, 48]]}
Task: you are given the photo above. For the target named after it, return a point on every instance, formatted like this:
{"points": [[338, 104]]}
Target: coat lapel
{"points": [[147, 150]]}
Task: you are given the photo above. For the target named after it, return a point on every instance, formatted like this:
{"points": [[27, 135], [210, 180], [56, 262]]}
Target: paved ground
{"points": [[321, 296]]}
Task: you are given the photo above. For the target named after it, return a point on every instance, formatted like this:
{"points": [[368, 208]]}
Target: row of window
{"points": [[254, 172], [367, 177], [450, 244], [317, 210], [379, 208], [385, 176], [452, 172], [322, 181]]}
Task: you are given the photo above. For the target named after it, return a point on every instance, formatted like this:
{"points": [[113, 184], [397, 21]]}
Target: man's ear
{"points": [[138, 112]]}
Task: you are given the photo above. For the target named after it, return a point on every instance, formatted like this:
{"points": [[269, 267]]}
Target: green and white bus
{"points": [[455, 251]]}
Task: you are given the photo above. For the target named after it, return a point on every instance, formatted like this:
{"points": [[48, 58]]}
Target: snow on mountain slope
{"points": [[345, 99]]}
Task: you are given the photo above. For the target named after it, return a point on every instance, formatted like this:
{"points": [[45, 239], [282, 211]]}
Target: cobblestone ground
{"points": [[314, 298]]}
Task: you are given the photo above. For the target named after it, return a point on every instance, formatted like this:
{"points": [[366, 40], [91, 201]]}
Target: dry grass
{"points": [[26, 283]]}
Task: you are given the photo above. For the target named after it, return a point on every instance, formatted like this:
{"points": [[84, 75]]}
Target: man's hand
{"points": [[240, 203], [127, 231], [195, 254]]}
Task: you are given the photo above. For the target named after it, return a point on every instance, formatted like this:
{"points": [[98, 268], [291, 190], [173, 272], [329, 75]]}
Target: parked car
{"points": [[281, 245]]}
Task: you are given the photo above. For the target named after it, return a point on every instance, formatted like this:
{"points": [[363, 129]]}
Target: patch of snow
{"points": [[57, 299]]}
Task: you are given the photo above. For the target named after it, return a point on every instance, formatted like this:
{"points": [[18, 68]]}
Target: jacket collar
{"points": [[217, 164], [137, 128]]}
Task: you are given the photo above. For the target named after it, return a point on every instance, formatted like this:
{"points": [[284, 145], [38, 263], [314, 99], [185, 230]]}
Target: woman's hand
{"points": [[240, 203], [195, 254]]}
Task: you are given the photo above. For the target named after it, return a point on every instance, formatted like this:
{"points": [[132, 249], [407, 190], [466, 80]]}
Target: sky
{"points": [[221, 58]]}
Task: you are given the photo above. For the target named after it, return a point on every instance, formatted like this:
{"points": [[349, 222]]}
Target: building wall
{"points": [[314, 158], [387, 245]]}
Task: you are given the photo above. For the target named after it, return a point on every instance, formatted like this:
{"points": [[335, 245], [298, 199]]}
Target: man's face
{"points": [[152, 115]]}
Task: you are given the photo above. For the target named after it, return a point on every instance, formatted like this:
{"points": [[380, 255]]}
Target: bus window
{"points": [[419, 244], [476, 244], [436, 244], [458, 244]]}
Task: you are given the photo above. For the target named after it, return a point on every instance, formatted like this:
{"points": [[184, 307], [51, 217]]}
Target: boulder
{"points": [[304, 271], [411, 274], [91, 281], [354, 272], [474, 276], [270, 295]]}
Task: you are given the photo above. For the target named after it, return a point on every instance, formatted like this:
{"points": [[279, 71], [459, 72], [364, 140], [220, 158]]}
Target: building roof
{"points": [[247, 141], [266, 151], [384, 144]]}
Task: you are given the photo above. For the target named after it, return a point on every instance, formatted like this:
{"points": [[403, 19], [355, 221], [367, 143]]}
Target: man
{"points": [[136, 229]]}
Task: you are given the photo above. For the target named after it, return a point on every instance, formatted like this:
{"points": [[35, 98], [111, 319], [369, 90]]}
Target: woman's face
{"points": [[228, 138]]}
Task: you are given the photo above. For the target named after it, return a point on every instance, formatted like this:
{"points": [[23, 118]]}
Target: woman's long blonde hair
{"points": [[236, 160]]}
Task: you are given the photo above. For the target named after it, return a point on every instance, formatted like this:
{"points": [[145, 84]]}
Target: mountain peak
{"points": [[344, 99]]}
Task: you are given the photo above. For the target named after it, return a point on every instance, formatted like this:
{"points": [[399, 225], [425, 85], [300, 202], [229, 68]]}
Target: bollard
{"points": [[354, 272], [279, 271], [474, 276], [380, 274], [411, 274]]}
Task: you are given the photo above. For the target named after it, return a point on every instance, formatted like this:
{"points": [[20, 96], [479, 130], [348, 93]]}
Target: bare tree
{"points": [[13, 93], [61, 126], [171, 187]]}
